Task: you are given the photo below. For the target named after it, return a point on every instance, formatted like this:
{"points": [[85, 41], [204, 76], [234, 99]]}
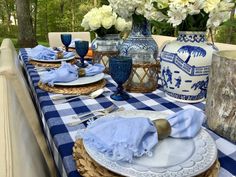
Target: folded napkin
{"points": [[68, 54], [119, 139], [122, 139], [45, 53], [72, 44], [186, 123], [66, 73], [92, 70]]}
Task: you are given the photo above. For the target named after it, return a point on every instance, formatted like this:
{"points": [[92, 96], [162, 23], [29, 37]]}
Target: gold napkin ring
{"points": [[163, 128], [59, 55], [81, 72]]}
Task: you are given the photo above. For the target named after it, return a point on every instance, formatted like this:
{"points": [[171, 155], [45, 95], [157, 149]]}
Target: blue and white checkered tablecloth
{"points": [[61, 137]]}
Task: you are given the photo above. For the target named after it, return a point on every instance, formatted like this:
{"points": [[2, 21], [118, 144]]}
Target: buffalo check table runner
{"points": [[61, 137]]}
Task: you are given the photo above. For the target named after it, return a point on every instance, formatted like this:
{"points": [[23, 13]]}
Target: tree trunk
{"points": [[221, 95], [8, 13], [26, 37], [35, 16], [46, 19], [62, 4]]}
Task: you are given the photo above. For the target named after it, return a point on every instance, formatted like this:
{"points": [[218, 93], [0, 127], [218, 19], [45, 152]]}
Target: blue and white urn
{"points": [[143, 49], [140, 39], [185, 65]]}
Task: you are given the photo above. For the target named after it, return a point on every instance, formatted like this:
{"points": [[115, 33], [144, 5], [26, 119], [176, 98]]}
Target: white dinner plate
{"points": [[83, 80], [53, 61], [172, 157]]}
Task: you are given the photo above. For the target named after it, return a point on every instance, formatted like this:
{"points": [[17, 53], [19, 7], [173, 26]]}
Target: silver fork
{"points": [[98, 115], [105, 111]]}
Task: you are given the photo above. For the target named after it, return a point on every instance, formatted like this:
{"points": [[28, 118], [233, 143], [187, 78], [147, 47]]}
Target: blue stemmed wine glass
{"points": [[66, 40], [120, 69], [81, 48]]}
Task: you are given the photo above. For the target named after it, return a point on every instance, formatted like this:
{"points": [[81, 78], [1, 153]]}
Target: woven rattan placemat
{"points": [[50, 65], [82, 89], [87, 167]]}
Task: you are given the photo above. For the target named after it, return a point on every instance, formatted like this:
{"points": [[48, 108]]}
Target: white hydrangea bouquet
{"points": [[104, 21], [195, 15], [127, 8]]}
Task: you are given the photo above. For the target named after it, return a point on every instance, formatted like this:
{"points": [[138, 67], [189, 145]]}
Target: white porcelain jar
{"points": [[185, 67]]}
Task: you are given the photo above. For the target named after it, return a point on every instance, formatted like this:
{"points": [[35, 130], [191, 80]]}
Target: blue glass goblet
{"points": [[81, 48], [120, 69], [66, 40]]}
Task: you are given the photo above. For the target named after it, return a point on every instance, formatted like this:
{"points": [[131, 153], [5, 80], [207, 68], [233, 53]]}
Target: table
{"points": [[61, 138]]}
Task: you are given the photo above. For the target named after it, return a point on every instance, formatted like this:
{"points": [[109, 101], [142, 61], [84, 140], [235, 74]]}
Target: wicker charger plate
{"points": [[49, 65], [82, 89], [87, 167]]}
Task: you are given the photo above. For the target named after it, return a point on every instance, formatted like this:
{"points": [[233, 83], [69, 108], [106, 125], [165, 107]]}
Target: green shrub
{"points": [[223, 32], [12, 33]]}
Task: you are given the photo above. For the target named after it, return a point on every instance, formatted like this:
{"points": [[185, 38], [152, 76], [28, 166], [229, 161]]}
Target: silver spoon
{"points": [[92, 95]]}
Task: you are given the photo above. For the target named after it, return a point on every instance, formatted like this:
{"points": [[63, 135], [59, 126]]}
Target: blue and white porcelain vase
{"points": [[185, 65], [143, 49]]}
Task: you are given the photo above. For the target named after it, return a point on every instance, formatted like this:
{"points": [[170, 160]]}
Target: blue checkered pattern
{"points": [[61, 137]]}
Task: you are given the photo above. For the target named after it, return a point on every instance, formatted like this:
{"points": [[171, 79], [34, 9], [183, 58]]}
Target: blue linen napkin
{"points": [[186, 123], [45, 53], [68, 54], [92, 70], [66, 73], [122, 139]]}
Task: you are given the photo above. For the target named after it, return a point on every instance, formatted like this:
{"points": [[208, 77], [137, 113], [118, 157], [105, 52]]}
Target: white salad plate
{"points": [[53, 60], [82, 80], [172, 157]]}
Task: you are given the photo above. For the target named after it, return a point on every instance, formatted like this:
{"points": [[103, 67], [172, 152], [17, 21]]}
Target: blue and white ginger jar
{"points": [[185, 65], [143, 49]]}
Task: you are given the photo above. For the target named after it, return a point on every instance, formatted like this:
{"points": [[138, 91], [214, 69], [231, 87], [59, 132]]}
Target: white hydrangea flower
{"points": [[126, 8], [106, 9], [101, 17], [128, 25], [85, 24], [120, 24], [95, 23], [107, 22]]}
